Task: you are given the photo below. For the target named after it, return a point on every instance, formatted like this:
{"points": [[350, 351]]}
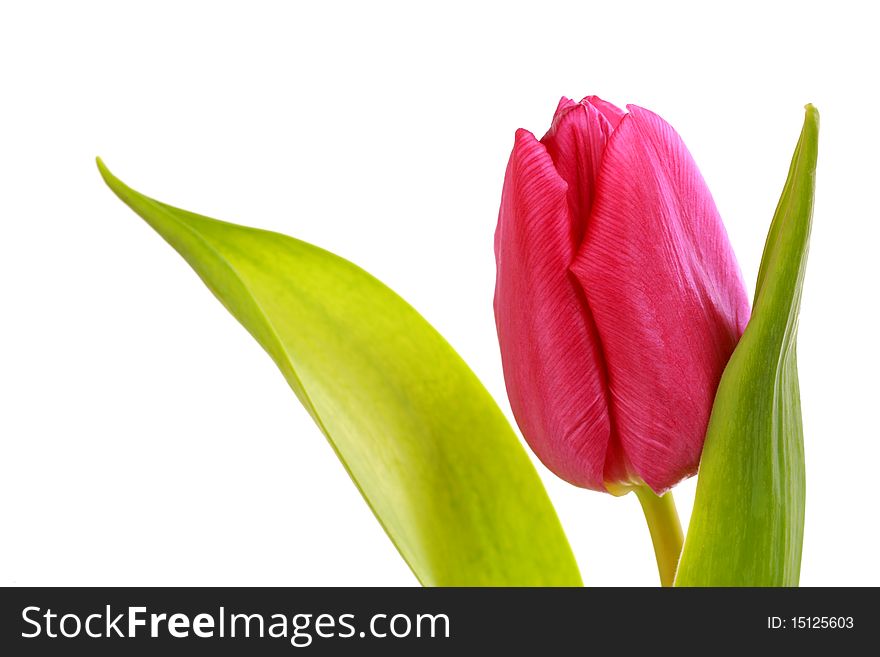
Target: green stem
{"points": [[665, 528]]}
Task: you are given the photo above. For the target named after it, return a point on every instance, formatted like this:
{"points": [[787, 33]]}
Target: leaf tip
{"points": [[111, 180], [125, 193], [811, 120]]}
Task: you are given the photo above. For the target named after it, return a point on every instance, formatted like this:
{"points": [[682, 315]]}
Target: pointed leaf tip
{"points": [[102, 168]]}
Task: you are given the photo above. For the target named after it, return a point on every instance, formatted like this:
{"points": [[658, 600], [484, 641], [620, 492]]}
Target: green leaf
{"points": [[747, 525], [426, 445]]}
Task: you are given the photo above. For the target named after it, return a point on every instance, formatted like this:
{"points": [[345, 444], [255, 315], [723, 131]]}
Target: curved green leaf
{"points": [[422, 439], [748, 519]]}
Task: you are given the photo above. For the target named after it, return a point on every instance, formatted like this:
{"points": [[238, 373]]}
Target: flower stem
{"points": [[665, 528]]}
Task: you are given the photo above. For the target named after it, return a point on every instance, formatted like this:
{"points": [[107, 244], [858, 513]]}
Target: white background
{"points": [[147, 439]]}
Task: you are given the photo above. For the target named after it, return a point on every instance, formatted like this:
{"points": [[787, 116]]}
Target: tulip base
{"points": [[665, 528]]}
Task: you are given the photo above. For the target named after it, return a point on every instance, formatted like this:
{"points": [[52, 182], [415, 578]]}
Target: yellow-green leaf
{"points": [[422, 439], [748, 519]]}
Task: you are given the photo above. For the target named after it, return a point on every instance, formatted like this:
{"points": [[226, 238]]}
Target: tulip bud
{"points": [[618, 299]]}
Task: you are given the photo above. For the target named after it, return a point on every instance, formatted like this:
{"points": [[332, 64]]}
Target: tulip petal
{"points": [[666, 293], [552, 367], [612, 113], [575, 142]]}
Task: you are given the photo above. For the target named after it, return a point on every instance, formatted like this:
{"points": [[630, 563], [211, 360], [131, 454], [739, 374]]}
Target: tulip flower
{"points": [[618, 299]]}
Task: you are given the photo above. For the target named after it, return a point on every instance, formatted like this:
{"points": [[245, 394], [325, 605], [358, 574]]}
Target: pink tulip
{"points": [[618, 299]]}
